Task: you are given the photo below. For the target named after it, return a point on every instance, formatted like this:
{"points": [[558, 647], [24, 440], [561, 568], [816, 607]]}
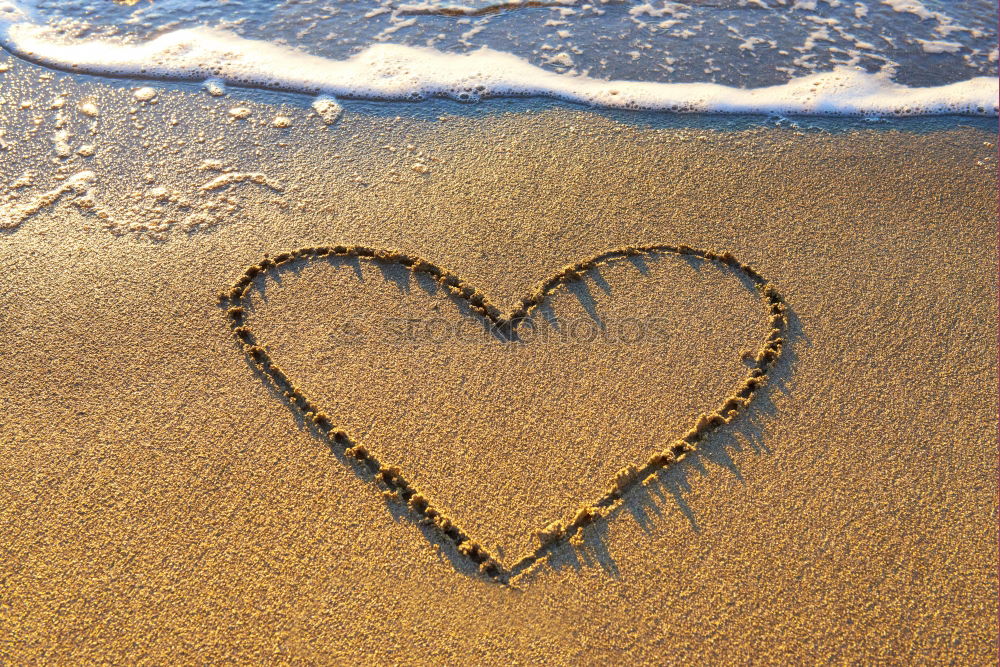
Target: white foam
{"points": [[938, 46], [144, 94], [75, 186], [328, 109], [915, 7], [395, 72]]}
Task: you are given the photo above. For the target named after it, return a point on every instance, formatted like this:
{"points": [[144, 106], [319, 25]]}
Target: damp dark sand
{"points": [[161, 503]]}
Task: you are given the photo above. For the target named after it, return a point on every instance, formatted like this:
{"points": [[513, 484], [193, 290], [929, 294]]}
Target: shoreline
{"points": [[396, 72]]}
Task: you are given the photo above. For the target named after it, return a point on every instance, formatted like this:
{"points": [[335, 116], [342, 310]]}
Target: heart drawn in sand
{"points": [[392, 480]]}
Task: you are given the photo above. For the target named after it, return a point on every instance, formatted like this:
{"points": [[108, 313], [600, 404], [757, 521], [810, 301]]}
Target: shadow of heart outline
{"points": [[390, 478]]}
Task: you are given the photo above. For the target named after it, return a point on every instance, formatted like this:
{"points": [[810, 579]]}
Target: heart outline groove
{"points": [[390, 479]]}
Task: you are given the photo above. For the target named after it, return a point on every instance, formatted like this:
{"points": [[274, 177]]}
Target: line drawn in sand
{"points": [[391, 480]]}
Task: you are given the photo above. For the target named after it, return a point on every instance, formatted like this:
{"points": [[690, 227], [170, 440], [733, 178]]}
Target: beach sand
{"points": [[160, 503]]}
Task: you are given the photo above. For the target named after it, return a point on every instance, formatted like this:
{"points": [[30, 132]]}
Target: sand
{"points": [[161, 503]]}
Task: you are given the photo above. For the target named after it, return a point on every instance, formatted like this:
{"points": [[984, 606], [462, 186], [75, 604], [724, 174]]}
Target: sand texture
{"points": [[161, 502]]}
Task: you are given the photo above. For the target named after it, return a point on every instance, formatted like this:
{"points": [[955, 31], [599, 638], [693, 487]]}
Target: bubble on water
{"points": [[89, 109], [144, 94], [281, 121], [239, 113]]}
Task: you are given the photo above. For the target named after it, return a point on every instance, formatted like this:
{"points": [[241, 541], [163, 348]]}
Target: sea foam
{"points": [[394, 72]]}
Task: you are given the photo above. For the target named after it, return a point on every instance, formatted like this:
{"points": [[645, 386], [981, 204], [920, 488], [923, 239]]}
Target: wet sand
{"points": [[161, 502]]}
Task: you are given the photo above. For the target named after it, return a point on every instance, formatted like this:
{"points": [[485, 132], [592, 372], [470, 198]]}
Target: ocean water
{"points": [[871, 57]]}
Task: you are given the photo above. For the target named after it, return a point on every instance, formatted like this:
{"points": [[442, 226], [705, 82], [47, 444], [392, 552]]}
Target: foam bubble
{"points": [[395, 72], [327, 108], [215, 87], [938, 46], [144, 94]]}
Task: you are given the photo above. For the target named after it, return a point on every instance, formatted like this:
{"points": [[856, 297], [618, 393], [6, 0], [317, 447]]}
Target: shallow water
{"points": [[739, 43], [894, 57]]}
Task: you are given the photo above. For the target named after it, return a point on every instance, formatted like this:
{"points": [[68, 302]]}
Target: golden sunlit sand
{"points": [[164, 502]]}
